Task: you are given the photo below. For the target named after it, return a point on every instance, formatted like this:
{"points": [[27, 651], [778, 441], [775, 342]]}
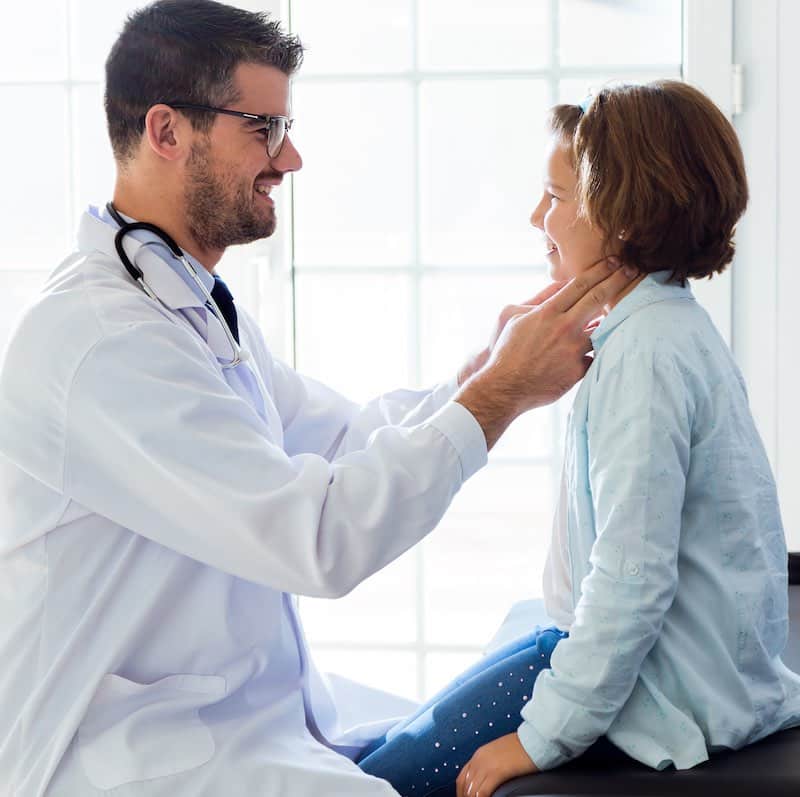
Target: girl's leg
{"points": [[514, 646], [427, 750]]}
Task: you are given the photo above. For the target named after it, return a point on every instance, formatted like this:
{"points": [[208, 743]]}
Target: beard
{"points": [[221, 211]]}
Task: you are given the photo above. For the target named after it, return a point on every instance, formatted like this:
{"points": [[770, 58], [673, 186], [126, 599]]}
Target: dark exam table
{"points": [[770, 768]]}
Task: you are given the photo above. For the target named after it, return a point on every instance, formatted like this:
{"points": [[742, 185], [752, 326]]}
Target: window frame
{"points": [[706, 62]]}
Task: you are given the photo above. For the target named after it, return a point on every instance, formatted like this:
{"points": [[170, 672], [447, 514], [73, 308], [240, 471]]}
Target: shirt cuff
{"points": [[543, 753], [444, 391], [465, 434]]}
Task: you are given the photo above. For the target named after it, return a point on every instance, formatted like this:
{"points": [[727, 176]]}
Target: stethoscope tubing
{"points": [[125, 228]]}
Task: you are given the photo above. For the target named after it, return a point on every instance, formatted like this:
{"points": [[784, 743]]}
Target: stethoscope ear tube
{"points": [[131, 267], [125, 228], [239, 355]]}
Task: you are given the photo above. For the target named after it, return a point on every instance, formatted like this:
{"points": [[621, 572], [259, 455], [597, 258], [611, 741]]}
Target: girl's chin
{"points": [[557, 272]]}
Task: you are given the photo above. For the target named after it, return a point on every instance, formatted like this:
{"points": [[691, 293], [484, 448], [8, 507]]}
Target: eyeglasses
{"points": [[275, 126]]}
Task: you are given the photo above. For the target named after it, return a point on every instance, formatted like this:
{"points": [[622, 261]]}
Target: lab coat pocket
{"points": [[134, 732]]}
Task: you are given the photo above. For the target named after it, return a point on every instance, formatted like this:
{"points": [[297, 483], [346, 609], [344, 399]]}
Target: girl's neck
{"points": [[619, 297]]}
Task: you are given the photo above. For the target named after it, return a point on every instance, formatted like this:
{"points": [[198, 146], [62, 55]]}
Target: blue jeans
{"points": [[425, 752]]}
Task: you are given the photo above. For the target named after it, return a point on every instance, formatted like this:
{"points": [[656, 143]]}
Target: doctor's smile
{"points": [[174, 492]]}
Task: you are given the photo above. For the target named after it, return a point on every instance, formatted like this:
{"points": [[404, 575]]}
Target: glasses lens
{"points": [[277, 132]]}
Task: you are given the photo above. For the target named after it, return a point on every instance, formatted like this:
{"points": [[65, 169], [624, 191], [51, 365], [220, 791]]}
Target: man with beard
{"points": [[167, 487]]}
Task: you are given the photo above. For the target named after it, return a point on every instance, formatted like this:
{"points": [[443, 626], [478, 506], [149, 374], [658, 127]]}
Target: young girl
{"points": [[666, 577]]}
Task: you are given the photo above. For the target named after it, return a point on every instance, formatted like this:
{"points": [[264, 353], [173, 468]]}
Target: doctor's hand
{"points": [[493, 764], [477, 361], [541, 351]]}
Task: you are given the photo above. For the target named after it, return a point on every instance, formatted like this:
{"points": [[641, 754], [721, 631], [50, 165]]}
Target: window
{"points": [[410, 233], [55, 155]]}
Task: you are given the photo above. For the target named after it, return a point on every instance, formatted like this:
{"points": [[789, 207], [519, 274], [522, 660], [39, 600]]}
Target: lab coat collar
{"points": [[96, 234], [653, 288]]}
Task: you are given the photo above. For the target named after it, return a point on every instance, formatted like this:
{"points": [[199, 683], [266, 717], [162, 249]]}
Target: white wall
{"points": [[788, 278], [765, 276]]}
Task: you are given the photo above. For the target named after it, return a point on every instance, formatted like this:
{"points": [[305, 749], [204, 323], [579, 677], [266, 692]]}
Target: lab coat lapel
{"points": [[187, 304], [95, 234], [171, 289], [217, 339]]}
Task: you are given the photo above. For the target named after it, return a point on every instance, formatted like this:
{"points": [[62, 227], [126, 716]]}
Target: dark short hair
{"points": [[661, 172], [186, 50]]}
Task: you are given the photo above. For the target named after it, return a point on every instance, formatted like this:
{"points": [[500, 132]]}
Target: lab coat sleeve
{"points": [[638, 445], [157, 442], [319, 420]]}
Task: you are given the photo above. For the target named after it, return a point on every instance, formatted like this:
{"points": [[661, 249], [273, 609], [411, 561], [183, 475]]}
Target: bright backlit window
{"points": [[421, 126]]}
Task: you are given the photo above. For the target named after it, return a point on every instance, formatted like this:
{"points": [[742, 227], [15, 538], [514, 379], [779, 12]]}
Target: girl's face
{"points": [[572, 244]]}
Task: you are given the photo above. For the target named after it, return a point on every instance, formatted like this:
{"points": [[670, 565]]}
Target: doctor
{"points": [[167, 487]]}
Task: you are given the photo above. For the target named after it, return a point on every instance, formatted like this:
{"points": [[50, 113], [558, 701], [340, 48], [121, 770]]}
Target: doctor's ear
{"points": [[166, 132]]}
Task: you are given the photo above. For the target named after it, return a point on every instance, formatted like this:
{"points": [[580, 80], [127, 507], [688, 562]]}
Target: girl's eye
{"points": [[262, 132]]}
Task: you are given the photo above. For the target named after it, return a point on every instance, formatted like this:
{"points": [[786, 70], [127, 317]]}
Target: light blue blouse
{"points": [[676, 551]]}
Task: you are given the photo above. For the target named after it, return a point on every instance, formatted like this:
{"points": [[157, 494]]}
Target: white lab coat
{"points": [[156, 516]]}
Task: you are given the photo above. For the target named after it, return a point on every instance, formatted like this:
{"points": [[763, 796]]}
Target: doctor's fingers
{"points": [[551, 337], [583, 298], [507, 313], [512, 310], [551, 290]]}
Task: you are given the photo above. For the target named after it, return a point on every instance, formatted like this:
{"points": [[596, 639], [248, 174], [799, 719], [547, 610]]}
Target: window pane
{"points": [[487, 553], [94, 163], [95, 25], [574, 90], [35, 213], [530, 435], [464, 34], [352, 332], [239, 268], [465, 202], [354, 35], [480, 164], [459, 312], [382, 609], [354, 197], [31, 49], [17, 289], [598, 32], [392, 671]]}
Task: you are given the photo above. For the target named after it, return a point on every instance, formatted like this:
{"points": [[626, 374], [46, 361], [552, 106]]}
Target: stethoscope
{"points": [[239, 355]]}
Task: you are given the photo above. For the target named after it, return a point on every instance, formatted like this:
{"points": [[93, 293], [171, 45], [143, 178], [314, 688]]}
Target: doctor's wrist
{"points": [[472, 366], [493, 407]]}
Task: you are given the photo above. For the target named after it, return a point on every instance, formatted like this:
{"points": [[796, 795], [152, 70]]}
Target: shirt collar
{"points": [[653, 288], [149, 253]]}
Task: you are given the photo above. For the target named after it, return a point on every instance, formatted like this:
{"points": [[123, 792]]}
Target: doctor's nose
{"points": [[288, 159]]}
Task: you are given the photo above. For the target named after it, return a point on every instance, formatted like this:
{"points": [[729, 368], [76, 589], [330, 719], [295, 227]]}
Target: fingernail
{"points": [[630, 271], [614, 263]]}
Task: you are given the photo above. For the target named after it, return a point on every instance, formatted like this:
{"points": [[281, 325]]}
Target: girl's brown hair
{"points": [[660, 170]]}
